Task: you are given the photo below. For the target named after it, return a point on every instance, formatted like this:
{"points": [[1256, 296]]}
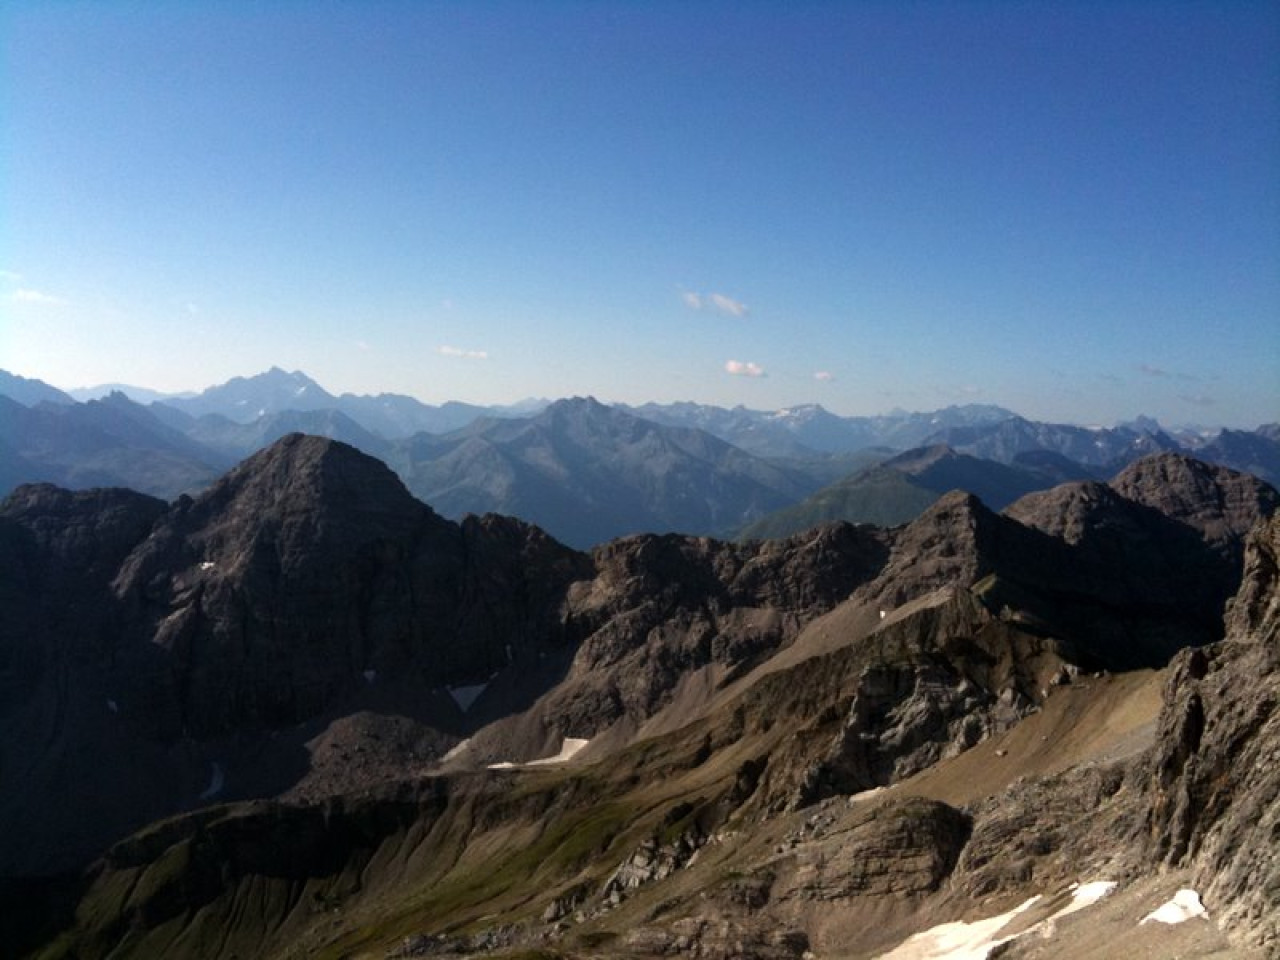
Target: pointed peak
{"points": [[301, 470]]}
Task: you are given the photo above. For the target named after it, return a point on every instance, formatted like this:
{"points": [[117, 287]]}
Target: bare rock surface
{"points": [[1214, 776]]}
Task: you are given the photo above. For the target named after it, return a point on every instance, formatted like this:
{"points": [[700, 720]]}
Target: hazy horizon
{"points": [[144, 395], [1070, 211]]}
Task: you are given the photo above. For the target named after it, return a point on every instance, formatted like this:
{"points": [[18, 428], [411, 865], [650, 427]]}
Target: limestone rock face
{"points": [[662, 608], [901, 849], [1221, 504], [309, 564], [1214, 777]]}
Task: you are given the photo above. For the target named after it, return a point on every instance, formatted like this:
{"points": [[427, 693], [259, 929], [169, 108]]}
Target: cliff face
{"points": [[310, 567], [161, 655], [1214, 777]]}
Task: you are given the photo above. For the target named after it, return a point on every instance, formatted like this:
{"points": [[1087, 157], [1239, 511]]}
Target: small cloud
{"points": [[824, 375], [27, 295], [363, 345], [735, 308], [1198, 400], [8, 276], [462, 354], [714, 301], [1151, 371], [744, 369]]}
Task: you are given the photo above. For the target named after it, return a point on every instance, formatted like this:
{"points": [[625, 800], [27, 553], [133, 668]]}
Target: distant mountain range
{"points": [[585, 471], [899, 489]]}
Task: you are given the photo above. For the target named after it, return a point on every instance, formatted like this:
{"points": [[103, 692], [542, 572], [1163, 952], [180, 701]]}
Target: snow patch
{"points": [[464, 697], [1184, 905], [370, 676], [958, 940], [864, 795], [216, 782], [456, 750], [1085, 895], [113, 706], [975, 941], [207, 565], [569, 748]]}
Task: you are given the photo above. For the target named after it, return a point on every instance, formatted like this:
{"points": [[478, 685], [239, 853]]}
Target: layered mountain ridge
{"points": [[340, 667], [587, 472]]}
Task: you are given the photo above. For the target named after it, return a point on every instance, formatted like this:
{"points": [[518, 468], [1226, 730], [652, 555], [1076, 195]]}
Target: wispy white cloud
{"points": [[718, 302], [741, 368], [824, 375], [446, 351], [735, 308], [28, 295], [8, 276]]}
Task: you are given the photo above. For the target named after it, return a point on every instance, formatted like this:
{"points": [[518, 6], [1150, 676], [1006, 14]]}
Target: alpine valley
{"points": [[285, 675]]}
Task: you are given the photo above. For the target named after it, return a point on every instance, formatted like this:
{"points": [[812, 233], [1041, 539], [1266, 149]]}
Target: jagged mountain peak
{"points": [[302, 471], [1069, 509], [954, 542], [1221, 504]]}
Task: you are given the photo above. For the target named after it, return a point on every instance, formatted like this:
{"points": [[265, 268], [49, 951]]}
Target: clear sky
{"points": [[1071, 209]]}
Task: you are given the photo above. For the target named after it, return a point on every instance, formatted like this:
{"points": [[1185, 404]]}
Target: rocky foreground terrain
{"points": [[302, 715]]}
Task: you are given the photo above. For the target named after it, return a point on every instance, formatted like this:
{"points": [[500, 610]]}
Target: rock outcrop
{"points": [[1214, 778]]}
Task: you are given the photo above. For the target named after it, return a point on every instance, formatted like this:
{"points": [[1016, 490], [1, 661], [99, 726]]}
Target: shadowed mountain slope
{"points": [[740, 700], [900, 488]]}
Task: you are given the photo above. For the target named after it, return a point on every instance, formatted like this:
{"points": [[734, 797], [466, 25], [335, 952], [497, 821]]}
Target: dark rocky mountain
{"points": [[900, 488], [587, 473], [1220, 504], [305, 578], [29, 392], [302, 642], [109, 442]]}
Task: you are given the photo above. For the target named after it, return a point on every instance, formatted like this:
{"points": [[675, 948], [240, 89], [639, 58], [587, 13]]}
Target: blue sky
{"points": [[1071, 209]]}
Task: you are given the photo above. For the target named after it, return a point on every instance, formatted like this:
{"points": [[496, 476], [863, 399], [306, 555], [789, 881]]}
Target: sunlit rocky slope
{"points": [[300, 714]]}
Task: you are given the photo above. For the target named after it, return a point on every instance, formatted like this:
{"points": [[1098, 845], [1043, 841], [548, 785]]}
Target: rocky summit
{"points": [[300, 714]]}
